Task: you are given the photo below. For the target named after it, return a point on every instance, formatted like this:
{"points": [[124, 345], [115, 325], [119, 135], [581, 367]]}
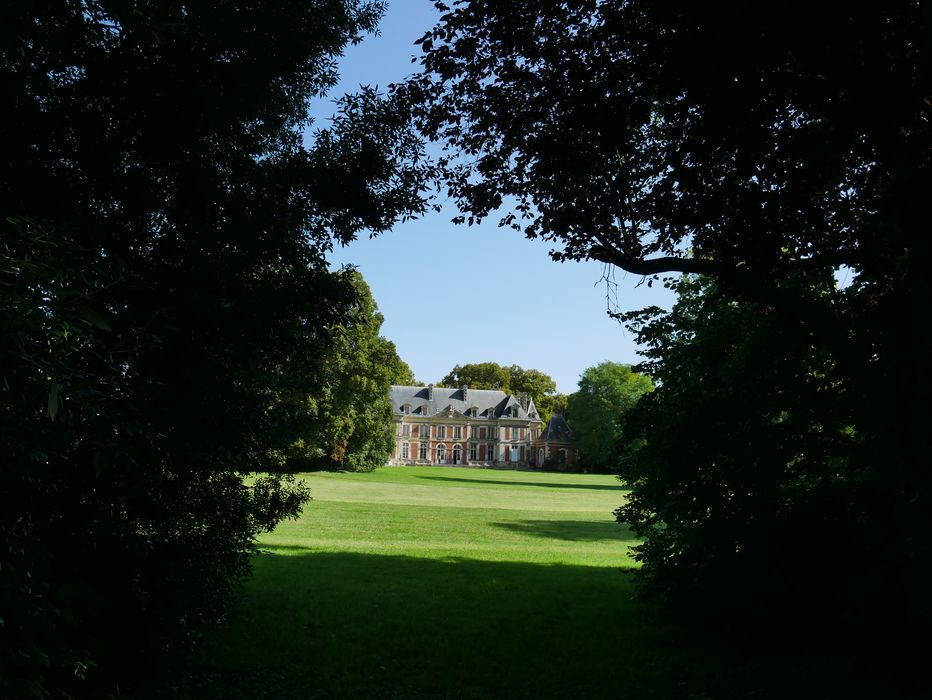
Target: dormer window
{"points": [[425, 410], [514, 411], [473, 411], [406, 409]]}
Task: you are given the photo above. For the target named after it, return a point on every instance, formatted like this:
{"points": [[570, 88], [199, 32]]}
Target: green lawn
{"points": [[415, 582]]}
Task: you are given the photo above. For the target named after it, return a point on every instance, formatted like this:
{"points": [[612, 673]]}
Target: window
{"points": [[490, 451], [472, 451], [561, 457], [441, 431], [474, 432], [457, 453], [422, 453], [514, 411], [457, 432], [474, 411], [441, 454], [424, 430], [405, 454], [406, 409], [425, 410], [406, 429]]}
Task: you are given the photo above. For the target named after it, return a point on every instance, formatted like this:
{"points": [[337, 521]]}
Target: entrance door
{"points": [[514, 454]]}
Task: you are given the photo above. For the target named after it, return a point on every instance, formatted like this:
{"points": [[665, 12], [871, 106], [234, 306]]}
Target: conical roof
{"points": [[557, 430]]}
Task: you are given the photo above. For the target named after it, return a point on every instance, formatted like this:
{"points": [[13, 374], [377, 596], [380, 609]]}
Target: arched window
{"points": [[441, 454], [540, 456], [561, 457], [406, 409], [457, 454]]}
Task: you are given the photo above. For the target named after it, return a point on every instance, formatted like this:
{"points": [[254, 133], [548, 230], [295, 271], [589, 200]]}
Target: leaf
{"points": [[101, 462], [95, 318], [53, 400]]}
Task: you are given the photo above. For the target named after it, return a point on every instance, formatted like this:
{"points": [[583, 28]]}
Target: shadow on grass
{"points": [[594, 487], [572, 530], [360, 625]]}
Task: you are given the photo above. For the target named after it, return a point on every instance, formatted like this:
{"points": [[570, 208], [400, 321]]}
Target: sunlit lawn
{"points": [[464, 583]]}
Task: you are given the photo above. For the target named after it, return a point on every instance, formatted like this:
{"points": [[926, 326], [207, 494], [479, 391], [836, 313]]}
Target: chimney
{"points": [[524, 401], [465, 390], [430, 392]]}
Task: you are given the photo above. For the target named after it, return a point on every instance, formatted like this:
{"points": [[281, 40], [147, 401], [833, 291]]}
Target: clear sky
{"points": [[456, 294]]}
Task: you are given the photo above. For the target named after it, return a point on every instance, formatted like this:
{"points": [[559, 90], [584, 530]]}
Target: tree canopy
{"points": [[730, 141], [597, 412], [766, 148], [164, 300]]}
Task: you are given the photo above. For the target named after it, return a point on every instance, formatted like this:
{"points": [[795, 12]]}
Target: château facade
{"points": [[480, 427]]}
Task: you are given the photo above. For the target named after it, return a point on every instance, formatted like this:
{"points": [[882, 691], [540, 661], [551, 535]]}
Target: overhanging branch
{"points": [[653, 266]]}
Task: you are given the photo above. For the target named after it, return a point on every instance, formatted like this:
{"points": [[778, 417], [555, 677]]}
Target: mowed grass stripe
{"points": [[437, 532], [472, 488]]}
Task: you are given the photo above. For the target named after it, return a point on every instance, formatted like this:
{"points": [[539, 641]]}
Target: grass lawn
{"points": [[415, 582]]}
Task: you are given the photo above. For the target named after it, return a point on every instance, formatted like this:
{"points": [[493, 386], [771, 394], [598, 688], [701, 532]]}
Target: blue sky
{"points": [[456, 294]]}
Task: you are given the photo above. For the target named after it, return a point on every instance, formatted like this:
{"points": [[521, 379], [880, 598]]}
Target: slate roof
{"points": [[556, 430], [489, 403]]}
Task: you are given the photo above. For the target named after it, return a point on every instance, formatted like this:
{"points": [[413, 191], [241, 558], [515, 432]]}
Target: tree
{"points": [[558, 403], [349, 418], [764, 149], [597, 412], [630, 113], [511, 380], [479, 375], [404, 375], [747, 448], [164, 298]]}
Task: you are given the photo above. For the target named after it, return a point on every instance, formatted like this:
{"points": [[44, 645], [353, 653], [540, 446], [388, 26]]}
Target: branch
{"points": [[653, 266]]}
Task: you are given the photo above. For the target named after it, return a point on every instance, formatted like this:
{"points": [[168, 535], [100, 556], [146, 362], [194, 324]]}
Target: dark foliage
{"points": [[764, 147], [748, 489], [164, 302]]}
